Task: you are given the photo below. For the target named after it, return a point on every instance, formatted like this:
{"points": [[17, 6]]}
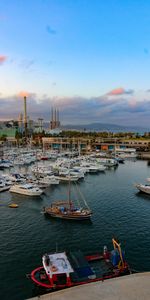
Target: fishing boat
{"points": [[68, 210], [61, 270]]}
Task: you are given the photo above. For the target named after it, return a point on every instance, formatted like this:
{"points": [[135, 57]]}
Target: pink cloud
{"points": [[3, 58], [120, 91], [115, 92]]}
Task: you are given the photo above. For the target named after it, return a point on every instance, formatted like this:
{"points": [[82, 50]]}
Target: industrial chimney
{"points": [[54, 123], [25, 115]]}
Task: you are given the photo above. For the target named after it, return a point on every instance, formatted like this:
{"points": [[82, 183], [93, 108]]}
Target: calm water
{"points": [[118, 210]]}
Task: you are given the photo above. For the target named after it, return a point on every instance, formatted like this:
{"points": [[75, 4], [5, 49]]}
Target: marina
{"points": [[118, 209]]}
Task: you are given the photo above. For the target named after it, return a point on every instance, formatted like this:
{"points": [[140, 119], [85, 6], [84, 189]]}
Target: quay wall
{"points": [[132, 287]]}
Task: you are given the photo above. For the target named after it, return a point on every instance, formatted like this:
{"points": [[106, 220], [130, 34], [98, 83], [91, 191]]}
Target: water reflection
{"points": [[143, 196]]}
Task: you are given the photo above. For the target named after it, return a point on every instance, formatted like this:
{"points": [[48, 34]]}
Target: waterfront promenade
{"points": [[131, 287]]}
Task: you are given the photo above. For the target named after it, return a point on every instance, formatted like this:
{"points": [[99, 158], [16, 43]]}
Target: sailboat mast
{"points": [[69, 194]]}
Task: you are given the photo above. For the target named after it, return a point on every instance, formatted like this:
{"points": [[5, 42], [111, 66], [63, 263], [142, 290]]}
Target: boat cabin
{"points": [[57, 264]]}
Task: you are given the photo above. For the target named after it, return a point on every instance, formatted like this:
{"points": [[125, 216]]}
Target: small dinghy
{"points": [[13, 205]]}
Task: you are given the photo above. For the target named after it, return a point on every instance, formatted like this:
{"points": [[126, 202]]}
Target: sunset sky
{"points": [[90, 59]]}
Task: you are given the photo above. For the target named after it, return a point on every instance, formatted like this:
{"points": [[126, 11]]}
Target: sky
{"points": [[90, 59]]}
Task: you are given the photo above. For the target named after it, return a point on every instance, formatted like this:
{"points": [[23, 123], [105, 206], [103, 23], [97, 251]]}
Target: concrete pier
{"points": [[130, 287]]}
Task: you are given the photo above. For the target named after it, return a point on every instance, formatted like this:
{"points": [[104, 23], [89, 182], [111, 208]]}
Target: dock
{"points": [[131, 287]]}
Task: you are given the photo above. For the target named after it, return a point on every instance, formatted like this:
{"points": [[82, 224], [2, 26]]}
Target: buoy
{"points": [[13, 205]]}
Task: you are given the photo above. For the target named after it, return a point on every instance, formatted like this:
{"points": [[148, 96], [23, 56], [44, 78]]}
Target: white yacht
{"points": [[49, 180], [3, 186], [26, 189], [145, 188], [66, 178], [126, 152]]}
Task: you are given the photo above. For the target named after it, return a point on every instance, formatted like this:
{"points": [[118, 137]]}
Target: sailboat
{"points": [[67, 209]]}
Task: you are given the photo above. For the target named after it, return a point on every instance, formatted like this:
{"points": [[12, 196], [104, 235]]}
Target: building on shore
{"points": [[66, 144], [8, 129], [90, 144], [110, 144]]}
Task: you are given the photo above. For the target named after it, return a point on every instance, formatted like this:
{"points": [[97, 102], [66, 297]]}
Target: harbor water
{"points": [[118, 211]]}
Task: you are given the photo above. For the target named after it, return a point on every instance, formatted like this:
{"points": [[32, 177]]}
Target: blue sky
{"points": [[91, 59]]}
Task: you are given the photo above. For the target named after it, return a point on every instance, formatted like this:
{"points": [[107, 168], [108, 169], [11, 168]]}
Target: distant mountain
{"points": [[106, 127]]}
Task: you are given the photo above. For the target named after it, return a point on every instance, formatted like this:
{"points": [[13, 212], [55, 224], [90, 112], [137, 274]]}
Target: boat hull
{"points": [[5, 188], [13, 205], [68, 217], [26, 193], [143, 188]]}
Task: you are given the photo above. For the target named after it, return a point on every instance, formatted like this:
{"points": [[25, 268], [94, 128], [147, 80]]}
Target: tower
{"points": [[54, 123], [20, 123], [52, 119], [25, 116], [55, 120], [58, 122]]}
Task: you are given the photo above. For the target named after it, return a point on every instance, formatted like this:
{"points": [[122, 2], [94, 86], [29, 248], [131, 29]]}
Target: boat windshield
{"points": [[27, 187]]}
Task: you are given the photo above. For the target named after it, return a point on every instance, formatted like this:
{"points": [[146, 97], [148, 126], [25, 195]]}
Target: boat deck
{"points": [[85, 270]]}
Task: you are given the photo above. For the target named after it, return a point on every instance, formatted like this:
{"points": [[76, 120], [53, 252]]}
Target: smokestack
{"points": [[52, 115], [54, 123], [55, 118], [25, 115]]}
